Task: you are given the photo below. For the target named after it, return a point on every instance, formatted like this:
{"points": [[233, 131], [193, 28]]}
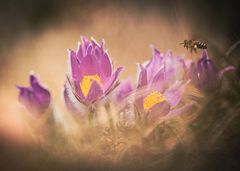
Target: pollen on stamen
{"points": [[152, 99], [86, 83]]}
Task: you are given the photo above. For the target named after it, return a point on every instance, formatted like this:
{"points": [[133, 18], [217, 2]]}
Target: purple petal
{"points": [[157, 111], [82, 49], [103, 59], [181, 61], [168, 58], [109, 83], [123, 90], [154, 64], [208, 74], [181, 110], [170, 67], [74, 85], [155, 56], [33, 81], [96, 45], [97, 50], [95, 92], [211, 69], [89, 66], [181, 67], [142, 81], [204, 55], [43, 95], [159, 77], [74, 66], [174, 93], [105, 65], [29, 100], [157, 82]]}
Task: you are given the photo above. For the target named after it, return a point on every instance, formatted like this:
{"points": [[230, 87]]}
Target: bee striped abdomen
{"points": [[201, 45], [193, 45]]}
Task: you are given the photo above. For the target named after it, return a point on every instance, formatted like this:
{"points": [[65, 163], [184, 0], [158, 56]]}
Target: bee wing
{"points": [[181, 43]]}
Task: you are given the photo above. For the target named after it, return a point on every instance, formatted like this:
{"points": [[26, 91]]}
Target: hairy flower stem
{"points": [[91, 114], [110, 118]]}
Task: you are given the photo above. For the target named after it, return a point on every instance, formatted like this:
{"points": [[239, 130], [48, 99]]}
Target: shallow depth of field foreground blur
{"points": [[36, 36]]}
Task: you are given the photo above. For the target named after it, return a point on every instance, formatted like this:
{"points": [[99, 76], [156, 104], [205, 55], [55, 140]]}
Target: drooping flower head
{"points": [[91, 75], [161, 85], [205, 75], [35, 98]]}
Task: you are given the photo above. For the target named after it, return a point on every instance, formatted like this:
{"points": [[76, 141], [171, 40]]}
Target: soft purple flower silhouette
{"points": [[161, 85], [123, 90], [122, 99], [35, 98], [91, 73], [205, 75]]}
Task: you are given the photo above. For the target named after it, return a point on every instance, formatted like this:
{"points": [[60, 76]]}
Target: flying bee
{"points": [[193, 45]]}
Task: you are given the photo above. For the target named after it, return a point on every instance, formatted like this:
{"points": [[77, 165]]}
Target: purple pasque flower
{"points": [[162, 68], [91, 75], [122, 99], [35, 98], [123, 90], [205, 75], [153, 103], [161, 86]]}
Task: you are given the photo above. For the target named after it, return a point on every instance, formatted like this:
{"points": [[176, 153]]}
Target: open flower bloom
{"points": [[205, 74], [35, 98], [160, 86], [91, 75]]}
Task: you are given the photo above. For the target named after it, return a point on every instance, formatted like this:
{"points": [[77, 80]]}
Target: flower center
{"points": [[86, 83], [152, 99]]}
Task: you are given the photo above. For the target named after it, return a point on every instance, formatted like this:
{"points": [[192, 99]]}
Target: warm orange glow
{"points": [[127, 38]]}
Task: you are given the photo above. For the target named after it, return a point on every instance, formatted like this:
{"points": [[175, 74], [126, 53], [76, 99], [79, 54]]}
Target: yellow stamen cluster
{"points": [[152, 99], [86, 83]]}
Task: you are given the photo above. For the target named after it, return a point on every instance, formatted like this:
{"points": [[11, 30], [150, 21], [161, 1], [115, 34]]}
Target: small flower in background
{"points": [[123, 90], [161, 85], [205, 75], [35, 98], [91, 73], [121, 98]]}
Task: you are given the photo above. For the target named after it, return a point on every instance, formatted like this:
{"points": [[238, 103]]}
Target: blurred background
{"points": [[35, 36]]}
